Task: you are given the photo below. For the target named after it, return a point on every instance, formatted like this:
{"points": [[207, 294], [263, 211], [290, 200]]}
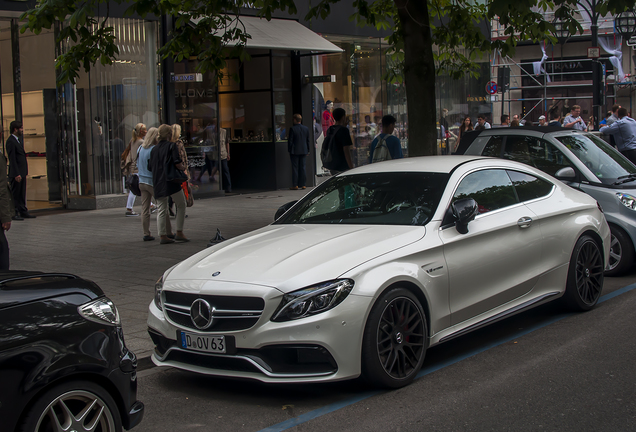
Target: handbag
{"points": [[132, 184], [174, 174], [187, 191]]}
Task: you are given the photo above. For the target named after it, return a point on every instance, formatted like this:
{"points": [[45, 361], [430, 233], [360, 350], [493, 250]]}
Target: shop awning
{"points": [[280, 34]]}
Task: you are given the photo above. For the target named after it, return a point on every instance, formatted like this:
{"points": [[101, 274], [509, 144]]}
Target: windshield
{"points": [[376, 199], [602, 159]]}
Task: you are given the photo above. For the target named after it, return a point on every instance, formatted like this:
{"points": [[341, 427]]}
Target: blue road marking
{"points": [[287, 424]]}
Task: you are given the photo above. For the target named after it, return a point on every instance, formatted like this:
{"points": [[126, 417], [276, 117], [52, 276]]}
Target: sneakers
{"points": [[153, 208], [130, 213]]}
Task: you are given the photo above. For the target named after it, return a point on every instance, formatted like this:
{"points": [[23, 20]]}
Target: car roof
{"points": [[434, 164], [537, 131]]}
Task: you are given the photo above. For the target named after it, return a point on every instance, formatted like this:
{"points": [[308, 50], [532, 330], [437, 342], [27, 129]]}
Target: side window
{"points": [[537, 153], [529, 187], [493, 147], [492, 189]]}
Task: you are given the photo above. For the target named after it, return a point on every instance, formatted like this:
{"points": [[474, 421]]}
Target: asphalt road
{"points": [[543, 370]]}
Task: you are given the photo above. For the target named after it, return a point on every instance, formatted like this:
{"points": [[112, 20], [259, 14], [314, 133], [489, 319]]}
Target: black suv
{"points": [[63, 361]]}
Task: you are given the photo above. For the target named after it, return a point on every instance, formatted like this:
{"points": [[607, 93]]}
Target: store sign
{"points": [[194, 93], [193, 77], [320, 79], [593, 52]]}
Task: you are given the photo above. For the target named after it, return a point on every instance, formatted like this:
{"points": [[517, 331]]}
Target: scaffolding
{"points": [[552, 76]]}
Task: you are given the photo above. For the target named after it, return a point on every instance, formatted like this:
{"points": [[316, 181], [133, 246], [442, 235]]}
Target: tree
{"points": [[429, 37]]}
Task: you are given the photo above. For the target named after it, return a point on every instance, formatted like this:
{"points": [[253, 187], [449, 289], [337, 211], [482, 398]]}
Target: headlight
{"points": [[101, 311], [627, 200], [312, 300], [158, 289]]}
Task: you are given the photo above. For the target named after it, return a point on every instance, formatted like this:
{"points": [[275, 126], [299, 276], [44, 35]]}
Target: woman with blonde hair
{"points": [[145, 180], [176, 138], [128, 162]]}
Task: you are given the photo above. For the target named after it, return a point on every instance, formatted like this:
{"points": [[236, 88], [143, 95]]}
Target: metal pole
{"points": [[17, 81], [596, 76]]}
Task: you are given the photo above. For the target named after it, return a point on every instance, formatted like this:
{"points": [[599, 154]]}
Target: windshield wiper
{"points": [[625, 179]]}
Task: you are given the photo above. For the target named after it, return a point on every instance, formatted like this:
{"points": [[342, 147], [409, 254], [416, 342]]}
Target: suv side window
{"points": [[493, 147], [492, 189], [529, 187], [536, 152]]}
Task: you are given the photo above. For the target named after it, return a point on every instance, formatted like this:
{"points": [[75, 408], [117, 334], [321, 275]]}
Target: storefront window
{"points": [[101, 110]]}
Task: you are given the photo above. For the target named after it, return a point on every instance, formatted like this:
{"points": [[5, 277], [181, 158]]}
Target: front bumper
{"points": [[324, 347]]}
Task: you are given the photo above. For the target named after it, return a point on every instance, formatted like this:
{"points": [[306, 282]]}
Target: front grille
{"points": [[231, 312]]}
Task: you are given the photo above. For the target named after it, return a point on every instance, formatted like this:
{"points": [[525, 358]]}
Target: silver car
{"points": [[584, 162]]}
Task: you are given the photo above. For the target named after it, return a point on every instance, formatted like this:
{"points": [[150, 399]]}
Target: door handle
{"points": [[524, 222]]}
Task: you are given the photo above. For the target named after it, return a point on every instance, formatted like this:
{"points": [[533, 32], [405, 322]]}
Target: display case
{"points": [[34, 140]]}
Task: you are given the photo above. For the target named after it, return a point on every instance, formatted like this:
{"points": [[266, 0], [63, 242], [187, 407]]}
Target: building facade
{"points": [[75, 134]]}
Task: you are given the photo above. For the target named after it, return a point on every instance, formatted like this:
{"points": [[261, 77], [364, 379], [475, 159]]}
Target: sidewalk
{"points": [[106, 247]]}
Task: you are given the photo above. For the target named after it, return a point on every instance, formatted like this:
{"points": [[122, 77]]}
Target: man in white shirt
{"points": [[482, 123], [574, 119]]}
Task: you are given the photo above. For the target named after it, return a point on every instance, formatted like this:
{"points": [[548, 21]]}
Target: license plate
{"points": [[196, 342]]}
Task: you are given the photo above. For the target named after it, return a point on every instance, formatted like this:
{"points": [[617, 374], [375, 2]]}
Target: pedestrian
{"points": [[6, 213], [18, 170], [176, 138], [328, 119], [209, 152], [467, 126], [298, 148], [555, 118], [317, 132], [128, 162], [614, 116], [224, 144], [542, 121], [505, 120], [515, 122], [590, 124], [163, 159], [338, 144], [574, 119], [624, 132], [444, 131], [392, 146], [482, 123], [145, 180], [604, 121]]}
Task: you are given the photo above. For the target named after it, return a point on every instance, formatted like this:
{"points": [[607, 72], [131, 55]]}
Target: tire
{"points": [[395, 340], [585, 275], [76, 396], [621, 253]]}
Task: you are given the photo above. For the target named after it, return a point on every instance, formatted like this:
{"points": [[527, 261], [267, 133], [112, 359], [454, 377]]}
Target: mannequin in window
{"points": [[327, 117]]}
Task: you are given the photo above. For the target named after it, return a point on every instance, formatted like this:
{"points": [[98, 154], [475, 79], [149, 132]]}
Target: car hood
{"points": [[290, 257]]}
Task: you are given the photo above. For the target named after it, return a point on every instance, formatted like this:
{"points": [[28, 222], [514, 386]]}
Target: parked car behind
{"points": [[63, 361], [582, 161], [375, 265]]}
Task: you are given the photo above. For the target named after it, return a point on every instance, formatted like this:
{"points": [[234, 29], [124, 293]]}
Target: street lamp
{"points": [[561, 31], [625, 24]]}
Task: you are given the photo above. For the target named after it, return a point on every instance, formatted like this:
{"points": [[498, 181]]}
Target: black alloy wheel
{"points": [[395, 339], [585, 275]]}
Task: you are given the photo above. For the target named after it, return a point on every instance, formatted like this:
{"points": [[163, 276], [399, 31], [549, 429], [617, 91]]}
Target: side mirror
{"points": [[464, 211], [565, 174], [282, 209]]}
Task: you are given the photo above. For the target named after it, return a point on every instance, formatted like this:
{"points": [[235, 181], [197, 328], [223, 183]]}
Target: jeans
{"points": [[163, 220], [147, 192]]}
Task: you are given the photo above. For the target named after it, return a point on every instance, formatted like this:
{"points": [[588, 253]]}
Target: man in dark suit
{"points": [[298, 147], [18, 170]]}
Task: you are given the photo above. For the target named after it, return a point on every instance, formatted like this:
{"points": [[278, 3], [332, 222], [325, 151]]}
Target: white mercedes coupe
{"points": [[377, 264]]}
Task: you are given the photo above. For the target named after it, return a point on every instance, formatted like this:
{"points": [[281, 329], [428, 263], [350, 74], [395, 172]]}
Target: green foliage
{"points": [[454, 24]]}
